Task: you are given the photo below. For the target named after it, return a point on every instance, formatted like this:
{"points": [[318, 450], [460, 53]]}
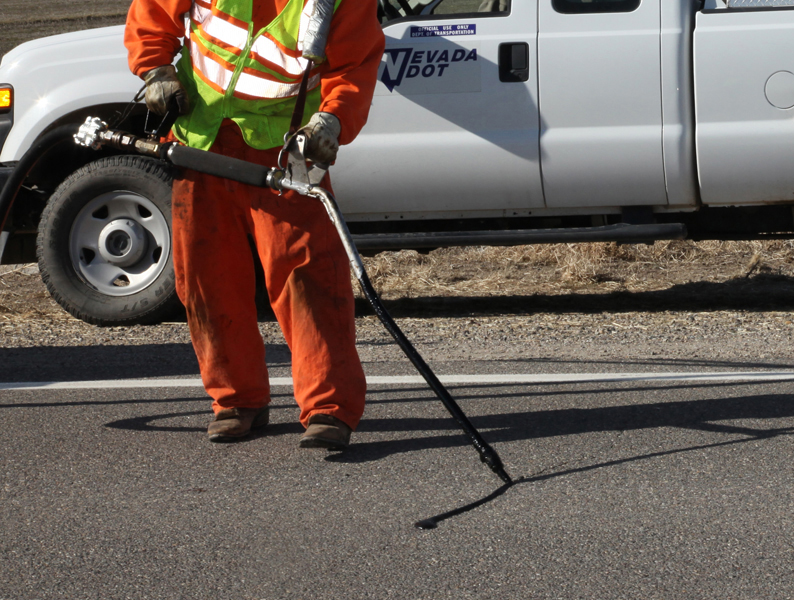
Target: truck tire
{"points": [[104, 243]]}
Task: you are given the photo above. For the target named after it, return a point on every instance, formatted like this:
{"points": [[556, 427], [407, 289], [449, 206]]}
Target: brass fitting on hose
{"points": [[94, 133]]}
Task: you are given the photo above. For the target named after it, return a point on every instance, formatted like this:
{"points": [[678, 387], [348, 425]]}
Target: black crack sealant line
{"points": [[433, 522], [293, 173]]}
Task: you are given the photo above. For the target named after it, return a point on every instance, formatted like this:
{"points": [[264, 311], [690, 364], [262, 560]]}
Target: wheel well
{"points": [[66, 158], [56, 165]]}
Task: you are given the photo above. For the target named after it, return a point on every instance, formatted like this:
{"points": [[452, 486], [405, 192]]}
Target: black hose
{"points": [[26, 164], [216, 164], [487, 454]]}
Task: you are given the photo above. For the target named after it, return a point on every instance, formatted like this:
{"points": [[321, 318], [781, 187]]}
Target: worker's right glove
{"points": [[322, 137], [163, 88]]}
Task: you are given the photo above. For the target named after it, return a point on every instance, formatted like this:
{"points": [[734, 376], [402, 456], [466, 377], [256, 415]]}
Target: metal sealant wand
{"points": [[299, 177]]}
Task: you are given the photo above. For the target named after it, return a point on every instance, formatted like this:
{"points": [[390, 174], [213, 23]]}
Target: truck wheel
{"points": [[104, 243]]}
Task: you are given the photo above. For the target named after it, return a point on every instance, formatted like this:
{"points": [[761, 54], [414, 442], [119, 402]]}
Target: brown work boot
{"points": [[232, 424], [325, 431]]}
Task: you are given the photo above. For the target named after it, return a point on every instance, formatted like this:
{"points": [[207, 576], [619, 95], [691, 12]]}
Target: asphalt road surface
{"points": [[662, 486]]}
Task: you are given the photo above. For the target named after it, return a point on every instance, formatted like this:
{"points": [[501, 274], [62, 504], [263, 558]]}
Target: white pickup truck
{"points": [[494, 122]]}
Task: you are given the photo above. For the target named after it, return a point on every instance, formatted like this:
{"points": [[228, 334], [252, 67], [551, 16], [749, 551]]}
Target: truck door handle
{"points": [[514, 62]]}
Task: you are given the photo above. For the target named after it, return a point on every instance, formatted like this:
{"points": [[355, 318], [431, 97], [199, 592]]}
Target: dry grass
{"points": [[23, 295], [560, 268], [760, 269]]}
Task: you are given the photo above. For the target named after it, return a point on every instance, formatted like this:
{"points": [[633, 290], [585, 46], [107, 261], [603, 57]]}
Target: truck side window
{"points": [[396, 9], [575, 7]]}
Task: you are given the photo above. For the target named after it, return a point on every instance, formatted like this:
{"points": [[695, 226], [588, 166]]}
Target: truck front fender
{"points": [[61, 75]]}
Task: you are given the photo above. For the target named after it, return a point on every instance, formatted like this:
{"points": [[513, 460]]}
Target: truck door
{"points": [[601, 103], [453, 129], [744, 101]]}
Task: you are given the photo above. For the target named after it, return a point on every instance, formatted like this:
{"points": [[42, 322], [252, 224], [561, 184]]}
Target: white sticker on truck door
{"points": [[433, 68], [443, 30]]}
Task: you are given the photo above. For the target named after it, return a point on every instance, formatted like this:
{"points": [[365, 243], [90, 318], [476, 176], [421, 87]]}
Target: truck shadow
{"points": [[760, 293], [77, 363]]}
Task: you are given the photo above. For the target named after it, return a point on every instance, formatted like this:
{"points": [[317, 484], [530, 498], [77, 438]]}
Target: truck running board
{"points": [[621, 232]]}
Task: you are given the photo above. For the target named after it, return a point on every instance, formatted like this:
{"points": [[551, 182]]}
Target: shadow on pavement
{"points": [[78, 363], [714, 415], [547, 391], [443, 432], [703, 415], [759, 293], [659, 364], [149, 423]]}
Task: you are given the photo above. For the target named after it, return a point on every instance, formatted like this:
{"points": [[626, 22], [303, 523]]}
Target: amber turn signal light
{"points": [[6, 98]]}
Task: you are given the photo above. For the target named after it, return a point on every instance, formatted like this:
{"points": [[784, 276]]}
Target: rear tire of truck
{"points": [[104, 243]]}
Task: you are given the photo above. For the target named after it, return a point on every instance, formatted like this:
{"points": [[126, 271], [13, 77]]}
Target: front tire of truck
{"points": [[104, 243]]}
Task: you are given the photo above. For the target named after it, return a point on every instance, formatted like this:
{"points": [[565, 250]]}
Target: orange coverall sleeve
{"points": [[154, 33], [354, 50]]}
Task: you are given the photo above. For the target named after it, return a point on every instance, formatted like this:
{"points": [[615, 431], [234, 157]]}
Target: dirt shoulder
{"points": [[593, 277], [18, 23]]}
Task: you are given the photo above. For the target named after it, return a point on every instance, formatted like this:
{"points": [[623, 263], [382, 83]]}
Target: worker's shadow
{"points": [[158, 422], [711, 415], [708, 415], [149, 424]]}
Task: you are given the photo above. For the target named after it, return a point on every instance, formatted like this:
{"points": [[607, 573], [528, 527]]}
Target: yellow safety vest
{"points": [[252, 78]]}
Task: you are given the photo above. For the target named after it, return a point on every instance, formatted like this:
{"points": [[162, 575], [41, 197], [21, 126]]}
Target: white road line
{"points": [[503, 379]]}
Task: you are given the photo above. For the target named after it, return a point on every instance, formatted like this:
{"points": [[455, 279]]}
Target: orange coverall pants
{"points": [[307, 276]]}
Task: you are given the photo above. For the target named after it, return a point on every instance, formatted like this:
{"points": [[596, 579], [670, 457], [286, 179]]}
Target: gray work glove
{"points": [[163, 88], [322, 137]]}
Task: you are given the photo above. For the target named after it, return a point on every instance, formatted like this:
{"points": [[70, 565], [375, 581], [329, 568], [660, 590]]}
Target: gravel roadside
{"points": [[562, 333]]}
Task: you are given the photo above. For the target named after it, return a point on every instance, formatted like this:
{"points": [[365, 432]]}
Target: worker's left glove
{"points": [[163, 89], [322, 137]]}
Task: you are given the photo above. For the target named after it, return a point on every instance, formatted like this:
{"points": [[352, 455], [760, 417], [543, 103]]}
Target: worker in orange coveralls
{"points": [[235, 86]]}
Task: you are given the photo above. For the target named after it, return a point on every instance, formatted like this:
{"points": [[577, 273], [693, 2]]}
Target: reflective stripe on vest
{"points": [[225, 32], [232, 37], [218, 74]]}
